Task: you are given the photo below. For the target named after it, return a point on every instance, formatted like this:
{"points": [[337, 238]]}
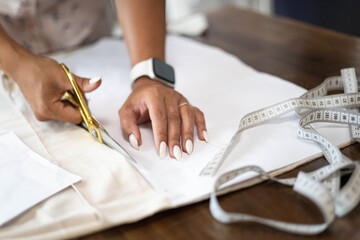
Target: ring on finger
{"points": [[183, 104]]}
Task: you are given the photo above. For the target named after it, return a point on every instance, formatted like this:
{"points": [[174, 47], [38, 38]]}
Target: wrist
{"points": [[145, 81], [17, 63], [155, 70]]}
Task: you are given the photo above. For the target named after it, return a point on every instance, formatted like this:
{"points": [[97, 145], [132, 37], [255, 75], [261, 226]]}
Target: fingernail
{"points": [[177, 152], [94, 80], [162, 150], [189, 146], [205, 135], [133, 141]]}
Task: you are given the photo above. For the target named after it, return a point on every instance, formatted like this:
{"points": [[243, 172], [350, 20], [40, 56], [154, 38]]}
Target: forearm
{"points": [[12, 55], [143, 24]]}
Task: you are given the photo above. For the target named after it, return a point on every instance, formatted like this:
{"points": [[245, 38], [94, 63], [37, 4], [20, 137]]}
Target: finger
{"points": [[88, 85], [128, 122], [174, 128], [66, 112], [159, 122], [200, 124], [187, 127]]}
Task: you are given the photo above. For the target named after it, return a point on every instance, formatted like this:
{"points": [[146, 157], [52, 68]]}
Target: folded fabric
{"points": [[26, 178]]}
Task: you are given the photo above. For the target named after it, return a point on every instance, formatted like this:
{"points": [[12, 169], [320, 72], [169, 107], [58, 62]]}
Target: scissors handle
{"points": [[78, 101]]}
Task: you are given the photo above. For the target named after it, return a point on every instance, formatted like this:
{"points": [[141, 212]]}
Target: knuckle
{"points": [[174, 141], [200, 113], [162, 116], [174, 117], [174, 93], [125, 119], [159, 113], [188, 111], [159, 90], [39, 117], [80, 81], [188, 134], [122, 111], [78, 119], [196, 109], [155, 91], [188, 130], [43, 110], [162, 136], [41, 113]]}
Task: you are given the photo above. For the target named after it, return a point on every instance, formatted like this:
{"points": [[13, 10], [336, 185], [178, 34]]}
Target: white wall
{"points": [[263, 6]]}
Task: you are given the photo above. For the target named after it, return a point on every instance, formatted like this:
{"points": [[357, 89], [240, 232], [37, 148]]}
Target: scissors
{"points": [[89, 123]]}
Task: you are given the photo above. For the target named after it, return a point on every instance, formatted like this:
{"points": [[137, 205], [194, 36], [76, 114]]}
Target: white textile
{"points": [[112, 192], [26, 178], [224, 88]]}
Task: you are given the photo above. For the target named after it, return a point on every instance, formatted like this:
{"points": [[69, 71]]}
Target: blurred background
{"points": [[188, 16]]}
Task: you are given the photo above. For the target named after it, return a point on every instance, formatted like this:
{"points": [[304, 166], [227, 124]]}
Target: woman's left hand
{"points": [[171, 115]]}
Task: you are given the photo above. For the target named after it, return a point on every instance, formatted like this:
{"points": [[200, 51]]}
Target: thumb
{"points": [[88, 85]]}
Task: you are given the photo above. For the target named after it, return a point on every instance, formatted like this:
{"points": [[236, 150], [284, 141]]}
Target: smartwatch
{"points": [[156, 70]]}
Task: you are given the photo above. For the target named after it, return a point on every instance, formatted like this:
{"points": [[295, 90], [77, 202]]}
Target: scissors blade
{"points": [[109, 141]]}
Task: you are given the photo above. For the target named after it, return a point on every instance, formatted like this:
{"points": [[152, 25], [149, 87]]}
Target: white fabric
{"points": [[113, 192], [26, 178], [221, 86]]}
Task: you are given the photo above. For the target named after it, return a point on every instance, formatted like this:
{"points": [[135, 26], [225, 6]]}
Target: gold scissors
{"points": [[89, 123]]}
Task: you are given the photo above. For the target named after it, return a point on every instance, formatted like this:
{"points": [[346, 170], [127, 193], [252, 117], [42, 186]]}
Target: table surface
{"points": [[300, 53]]}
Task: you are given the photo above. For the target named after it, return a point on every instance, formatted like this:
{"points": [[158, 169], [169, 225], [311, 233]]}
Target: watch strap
{"points": [[145, 68]]}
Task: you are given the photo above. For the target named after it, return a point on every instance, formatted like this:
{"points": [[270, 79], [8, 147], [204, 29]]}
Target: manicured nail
{"points": [[94, 80], [189, 146], [162, 150], [205, 135], [177, 152], [133, 141]]}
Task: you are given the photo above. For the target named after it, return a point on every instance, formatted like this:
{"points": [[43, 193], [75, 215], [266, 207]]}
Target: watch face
{"points": [[163, 71]]}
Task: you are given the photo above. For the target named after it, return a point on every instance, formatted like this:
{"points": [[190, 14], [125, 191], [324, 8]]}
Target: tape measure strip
{"points": [[321, 186], [313, 99], [348, 76], [348, 82], [309, 185], [304, 185], [266, 114]]}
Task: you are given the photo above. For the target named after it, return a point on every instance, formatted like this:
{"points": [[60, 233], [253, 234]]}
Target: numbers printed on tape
{"points": [[321, 186]]}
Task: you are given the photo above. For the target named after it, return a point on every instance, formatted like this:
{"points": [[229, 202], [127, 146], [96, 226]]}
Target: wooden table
{"points": [[300, 53]]}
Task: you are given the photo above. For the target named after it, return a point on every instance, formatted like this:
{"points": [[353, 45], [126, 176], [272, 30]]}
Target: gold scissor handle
{"points": [[78, 101]]}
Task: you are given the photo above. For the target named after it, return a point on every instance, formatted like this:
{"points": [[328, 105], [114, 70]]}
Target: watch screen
{"points": [[163, 71]]}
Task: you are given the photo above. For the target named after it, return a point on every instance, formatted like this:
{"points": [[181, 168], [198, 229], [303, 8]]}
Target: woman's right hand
{"points": [[43, 83], [41, 80]]}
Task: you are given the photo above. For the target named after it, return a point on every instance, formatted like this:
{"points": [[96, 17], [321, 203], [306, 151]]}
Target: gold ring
{"points": [[183, 104]]}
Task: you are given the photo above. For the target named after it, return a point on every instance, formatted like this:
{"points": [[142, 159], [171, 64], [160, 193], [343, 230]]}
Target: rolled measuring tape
{"points": [[321, 186]]}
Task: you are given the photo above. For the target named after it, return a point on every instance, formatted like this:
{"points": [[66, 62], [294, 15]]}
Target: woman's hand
{"points": [[171, 119], [43, 83]]}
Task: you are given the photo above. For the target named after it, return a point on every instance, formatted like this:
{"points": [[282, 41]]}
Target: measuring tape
{"points": [[321, 186], [313, 99]]}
